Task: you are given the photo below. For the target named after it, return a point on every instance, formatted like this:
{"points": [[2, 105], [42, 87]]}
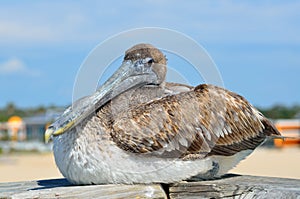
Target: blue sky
{"points": [[255, 44]]}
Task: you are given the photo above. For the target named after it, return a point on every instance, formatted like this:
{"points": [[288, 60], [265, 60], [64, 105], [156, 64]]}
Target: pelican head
{"points": [[152, 56], [143, 64]]}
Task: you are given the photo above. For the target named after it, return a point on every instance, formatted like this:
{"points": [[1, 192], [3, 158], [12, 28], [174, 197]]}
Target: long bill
{"points": [[129, 75]]}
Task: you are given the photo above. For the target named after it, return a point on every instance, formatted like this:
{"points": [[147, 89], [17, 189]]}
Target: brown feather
{"points": [[142, 51], [207, 120]]}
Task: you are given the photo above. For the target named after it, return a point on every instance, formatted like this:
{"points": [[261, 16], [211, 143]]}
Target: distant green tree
{"points": [[10, 108], [275, 112], [281, 112]]}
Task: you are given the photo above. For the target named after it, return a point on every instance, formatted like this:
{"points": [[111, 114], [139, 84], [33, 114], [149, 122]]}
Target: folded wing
{"points": [[207, 120]]}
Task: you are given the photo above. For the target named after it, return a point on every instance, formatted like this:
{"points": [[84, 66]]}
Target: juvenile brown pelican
{"points": [[138, 129]]}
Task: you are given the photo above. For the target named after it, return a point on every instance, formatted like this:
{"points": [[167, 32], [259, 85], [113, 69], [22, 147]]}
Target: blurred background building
{"points": [[289, 128], [27, 128]]}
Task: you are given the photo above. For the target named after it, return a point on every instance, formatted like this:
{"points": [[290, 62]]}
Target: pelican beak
{"points": [[50, 132], [129, 75], [48, 135]]}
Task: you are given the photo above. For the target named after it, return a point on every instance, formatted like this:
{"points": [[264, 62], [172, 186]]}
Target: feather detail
{"points": [[207, 120]]}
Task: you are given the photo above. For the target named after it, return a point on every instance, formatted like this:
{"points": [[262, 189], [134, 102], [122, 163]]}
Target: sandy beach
{"points": [[28, 166], [263, 162]]}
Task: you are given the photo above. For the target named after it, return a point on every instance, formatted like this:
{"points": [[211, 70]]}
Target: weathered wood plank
{"points": [[60, 188], [231, 186], [235, 186]]}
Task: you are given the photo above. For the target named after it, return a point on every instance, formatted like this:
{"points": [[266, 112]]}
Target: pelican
{"points": [[137, 128]]}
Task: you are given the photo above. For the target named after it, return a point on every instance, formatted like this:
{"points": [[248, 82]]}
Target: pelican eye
{"points": [[150, 61]]}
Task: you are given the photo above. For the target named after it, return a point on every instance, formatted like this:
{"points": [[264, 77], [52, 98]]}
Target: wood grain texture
{"points": [[231, 186], [61, 188], [235, 186]]}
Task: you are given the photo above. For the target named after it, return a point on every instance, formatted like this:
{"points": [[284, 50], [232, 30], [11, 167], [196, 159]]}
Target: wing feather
{"points": [[206, 120]]}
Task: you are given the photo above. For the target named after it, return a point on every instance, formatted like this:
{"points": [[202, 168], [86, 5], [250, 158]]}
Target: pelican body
{"points": [[137, 128]]}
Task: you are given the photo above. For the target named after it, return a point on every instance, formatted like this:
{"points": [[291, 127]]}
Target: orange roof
{"points": [[15, 119]]}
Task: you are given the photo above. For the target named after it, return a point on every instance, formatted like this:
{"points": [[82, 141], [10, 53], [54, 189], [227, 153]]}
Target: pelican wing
{"points": [[204, 121]]}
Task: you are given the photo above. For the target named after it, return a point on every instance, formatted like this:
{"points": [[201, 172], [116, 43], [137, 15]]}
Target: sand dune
{"points": [[264, 162]]}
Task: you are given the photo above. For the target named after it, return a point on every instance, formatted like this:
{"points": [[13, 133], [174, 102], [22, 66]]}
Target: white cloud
{"points": [[16, 66], [19, 31], [36, 23], [224, 21]]}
